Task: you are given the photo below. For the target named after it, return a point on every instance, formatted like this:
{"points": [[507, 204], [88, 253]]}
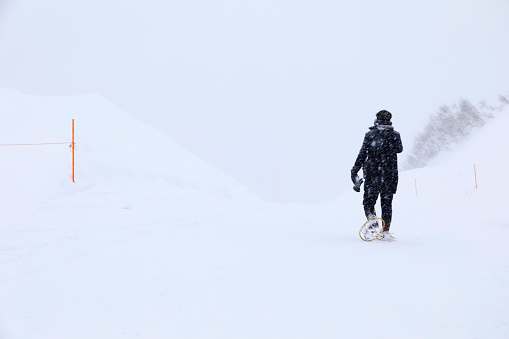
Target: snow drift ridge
{"points": [[112, 149]]}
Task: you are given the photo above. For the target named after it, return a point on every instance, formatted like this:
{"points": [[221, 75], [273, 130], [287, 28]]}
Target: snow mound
{"points": [[479, 164], [115, 153]]}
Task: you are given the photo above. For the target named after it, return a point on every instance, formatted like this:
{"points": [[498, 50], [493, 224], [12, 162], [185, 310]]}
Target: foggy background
{"points": [[276, 93]]}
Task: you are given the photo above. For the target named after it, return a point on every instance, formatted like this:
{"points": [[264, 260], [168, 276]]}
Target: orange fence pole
{"points": [[73, 150], [475, 176]]}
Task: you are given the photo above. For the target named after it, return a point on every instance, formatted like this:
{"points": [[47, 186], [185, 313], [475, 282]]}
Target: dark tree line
{"points": [[448, 126]]}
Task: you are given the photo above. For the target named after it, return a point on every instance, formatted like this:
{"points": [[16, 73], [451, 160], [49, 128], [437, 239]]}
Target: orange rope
{"points": [[494, 172], [45, 143]]}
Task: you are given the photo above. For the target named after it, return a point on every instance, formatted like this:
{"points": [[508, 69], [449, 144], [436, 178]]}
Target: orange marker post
{"points": [[73, 146], [475, 176], [415, 180]]}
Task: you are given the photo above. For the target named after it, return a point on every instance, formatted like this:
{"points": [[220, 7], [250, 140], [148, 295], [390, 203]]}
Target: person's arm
{"points": [[361, 158], [398, 146]]}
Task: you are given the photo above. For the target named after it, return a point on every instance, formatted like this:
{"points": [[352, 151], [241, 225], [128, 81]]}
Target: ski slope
{"points": [[146, 246]]}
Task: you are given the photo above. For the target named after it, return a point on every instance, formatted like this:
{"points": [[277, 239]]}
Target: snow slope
{"points": [[114, 260], [115, 153]]}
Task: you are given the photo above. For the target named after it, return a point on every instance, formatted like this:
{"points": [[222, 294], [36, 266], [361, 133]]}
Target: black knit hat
{"points": [[384, 115]]}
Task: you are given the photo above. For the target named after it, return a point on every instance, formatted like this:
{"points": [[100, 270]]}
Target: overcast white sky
{"points": [[277, 93]]}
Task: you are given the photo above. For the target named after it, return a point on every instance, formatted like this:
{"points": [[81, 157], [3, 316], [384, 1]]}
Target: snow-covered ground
{"points": [[151, 242]]}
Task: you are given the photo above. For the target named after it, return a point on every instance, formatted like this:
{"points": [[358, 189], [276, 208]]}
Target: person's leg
{"points": [[370, 196], [386, 202]]}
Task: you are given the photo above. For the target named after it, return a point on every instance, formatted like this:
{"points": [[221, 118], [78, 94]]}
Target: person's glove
{"points": [[357, 182]]}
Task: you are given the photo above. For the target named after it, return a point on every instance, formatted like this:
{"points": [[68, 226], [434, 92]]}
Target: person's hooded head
{"points": [[384, 115]]}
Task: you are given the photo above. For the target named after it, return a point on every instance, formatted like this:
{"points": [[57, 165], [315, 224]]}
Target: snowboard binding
{"points": [[372, 229]]}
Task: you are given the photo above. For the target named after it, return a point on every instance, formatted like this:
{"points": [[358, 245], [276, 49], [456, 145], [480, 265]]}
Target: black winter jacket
{"points": [[378, 157]]}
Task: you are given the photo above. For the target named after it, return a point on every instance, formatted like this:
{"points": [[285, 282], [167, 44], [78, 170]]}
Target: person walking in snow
{"points": [[378, 159]]}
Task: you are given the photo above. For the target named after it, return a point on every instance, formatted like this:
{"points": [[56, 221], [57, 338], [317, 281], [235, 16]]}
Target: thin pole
{"points": [[415, 180], [475, 176], [72, 150]]}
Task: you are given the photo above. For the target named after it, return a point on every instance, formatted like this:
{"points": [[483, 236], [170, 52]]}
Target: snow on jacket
{"points": [[378, 157]]}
